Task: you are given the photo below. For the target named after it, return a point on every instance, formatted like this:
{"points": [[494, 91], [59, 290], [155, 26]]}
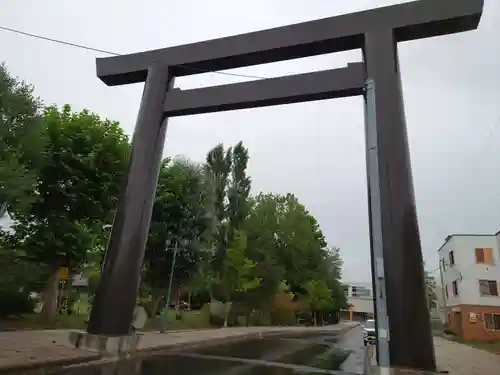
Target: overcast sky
{"points": [[315, 150]]}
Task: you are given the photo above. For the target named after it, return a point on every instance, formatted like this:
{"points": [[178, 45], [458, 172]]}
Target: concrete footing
{"points": [[400, 371], [115, 346]]}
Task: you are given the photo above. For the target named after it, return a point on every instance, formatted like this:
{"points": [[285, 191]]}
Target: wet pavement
{"points": [[298, 354]]}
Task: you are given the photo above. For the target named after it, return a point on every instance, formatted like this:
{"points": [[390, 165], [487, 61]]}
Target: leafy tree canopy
{"points": [[76, 187], [22, 140], [181, 217]]}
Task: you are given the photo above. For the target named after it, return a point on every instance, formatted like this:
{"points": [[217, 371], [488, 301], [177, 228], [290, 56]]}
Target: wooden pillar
{"points": [[115, 300]]}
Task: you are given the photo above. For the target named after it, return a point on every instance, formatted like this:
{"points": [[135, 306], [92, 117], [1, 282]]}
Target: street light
{"points": [[183, 244]]}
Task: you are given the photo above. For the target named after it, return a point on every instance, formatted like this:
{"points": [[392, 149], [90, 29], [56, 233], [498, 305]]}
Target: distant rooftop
{"points": [[448, 237]]}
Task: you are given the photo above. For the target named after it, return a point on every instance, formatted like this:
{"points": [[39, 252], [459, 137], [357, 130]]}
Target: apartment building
{"points": [[470, 272], [360, 296]]}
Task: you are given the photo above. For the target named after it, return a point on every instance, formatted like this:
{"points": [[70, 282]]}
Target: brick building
{"points": [[360, 297], [470, 275]]}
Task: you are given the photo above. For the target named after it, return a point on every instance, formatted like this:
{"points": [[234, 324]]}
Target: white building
{"points": [[5, 220], [360, 296], [470, 271]]}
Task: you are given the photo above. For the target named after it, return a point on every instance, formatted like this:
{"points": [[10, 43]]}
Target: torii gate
{"points": [[404, 334]]}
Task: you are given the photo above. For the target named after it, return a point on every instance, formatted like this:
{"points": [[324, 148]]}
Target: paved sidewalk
{"points": [[456, 358], [31, 348], [26, 348], [461, 359]]}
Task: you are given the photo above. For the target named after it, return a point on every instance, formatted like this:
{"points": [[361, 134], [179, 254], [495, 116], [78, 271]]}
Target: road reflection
{"points": [[301, 354]]}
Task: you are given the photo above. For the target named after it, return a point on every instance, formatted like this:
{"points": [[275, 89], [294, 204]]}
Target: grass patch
{"points": [[193, 319], [492, 346], [35, 322]]}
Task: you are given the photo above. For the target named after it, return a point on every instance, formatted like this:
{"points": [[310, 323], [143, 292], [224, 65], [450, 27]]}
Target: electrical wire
{"points": [[82, 46]]}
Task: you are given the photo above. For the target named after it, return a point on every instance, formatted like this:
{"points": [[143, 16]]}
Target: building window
{"points": [[360, 291], [455, 288], [488, 288], [492, 321], [446, 291], [444, 264], [452, 258], [484, 256], [346, 290]]}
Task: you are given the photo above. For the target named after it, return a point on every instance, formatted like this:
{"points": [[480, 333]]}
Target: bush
{"points": [[259, 318], [281, 317], [197, 319], [216, 321], [15, 303]]}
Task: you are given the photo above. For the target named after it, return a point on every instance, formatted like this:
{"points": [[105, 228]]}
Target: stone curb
{"points": [[231, 339], [204, 343]]}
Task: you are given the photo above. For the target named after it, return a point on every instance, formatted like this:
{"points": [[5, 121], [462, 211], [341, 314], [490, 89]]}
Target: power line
{"points": [[81, 46]]}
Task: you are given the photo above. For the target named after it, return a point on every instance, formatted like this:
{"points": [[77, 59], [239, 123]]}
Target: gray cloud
{"points": [[451, 87]]}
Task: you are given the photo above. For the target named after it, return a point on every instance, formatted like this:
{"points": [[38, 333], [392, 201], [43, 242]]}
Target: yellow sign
{"points": [[63, 273]]}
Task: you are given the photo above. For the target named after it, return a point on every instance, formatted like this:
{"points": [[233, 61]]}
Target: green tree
{"points": [[218, 169], [318, 296], [332, 269], [238, 190], [75, 191], [231, 185], [22, 275], [430, 281], [262, 227], [291, 234], [286, 243], [181, 217], [238, 271], [22, 141]]}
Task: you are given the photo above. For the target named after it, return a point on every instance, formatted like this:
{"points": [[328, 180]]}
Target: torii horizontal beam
{"points": [[327, 84], [414, 20]]}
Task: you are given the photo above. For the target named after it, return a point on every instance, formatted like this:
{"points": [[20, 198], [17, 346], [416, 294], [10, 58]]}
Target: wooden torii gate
{"points": [[403, 322]]}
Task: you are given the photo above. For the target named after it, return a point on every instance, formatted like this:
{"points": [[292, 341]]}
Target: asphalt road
{"points": [[307, 353]]}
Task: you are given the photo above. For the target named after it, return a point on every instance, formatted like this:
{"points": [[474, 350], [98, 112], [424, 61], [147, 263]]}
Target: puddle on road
{"points": [[251, 349], [288, 351], [252, 357]]}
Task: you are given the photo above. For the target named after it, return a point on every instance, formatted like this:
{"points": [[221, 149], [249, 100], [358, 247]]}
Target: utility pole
{"points": [[377, 248], [169, 291]]}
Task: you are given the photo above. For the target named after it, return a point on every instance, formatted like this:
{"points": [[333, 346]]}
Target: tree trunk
{"points": [[189, 301], [226, 314], [315, 322], [178, 302], [248, 316], [49, 309], [156, 297]]}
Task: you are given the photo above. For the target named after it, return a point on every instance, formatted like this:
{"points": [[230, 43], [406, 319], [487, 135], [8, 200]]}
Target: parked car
{"points": [[369, 333]]}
